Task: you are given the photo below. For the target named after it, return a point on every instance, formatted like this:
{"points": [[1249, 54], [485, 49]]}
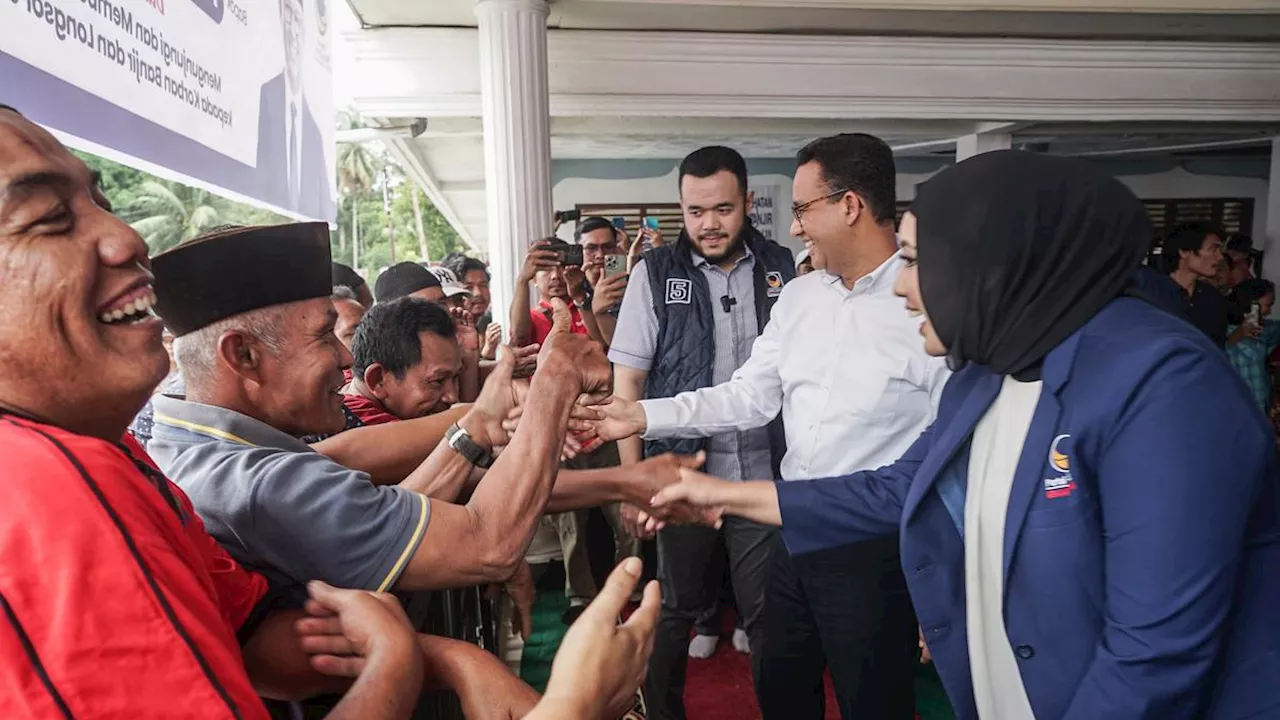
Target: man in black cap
{"points": [[344, 276], [263, 368], [408, 279]]}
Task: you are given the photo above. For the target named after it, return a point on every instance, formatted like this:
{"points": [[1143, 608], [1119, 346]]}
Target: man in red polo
{"points": [[116, 603], [542, 268]]}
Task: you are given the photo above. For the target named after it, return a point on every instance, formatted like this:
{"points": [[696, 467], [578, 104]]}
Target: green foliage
{"points": [[375, 248], [167, 213]]}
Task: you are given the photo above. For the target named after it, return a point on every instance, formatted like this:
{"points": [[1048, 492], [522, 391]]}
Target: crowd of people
{"points": [[987, 434]]}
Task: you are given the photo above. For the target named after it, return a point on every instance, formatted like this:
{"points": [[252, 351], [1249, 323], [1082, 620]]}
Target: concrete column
{"points": [[978, 143], [1270, 245], [517, 136]]}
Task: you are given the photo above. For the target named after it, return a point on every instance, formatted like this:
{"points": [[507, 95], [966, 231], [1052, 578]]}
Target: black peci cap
{"points": [[234, 270], [403, 279], [344, 275]]}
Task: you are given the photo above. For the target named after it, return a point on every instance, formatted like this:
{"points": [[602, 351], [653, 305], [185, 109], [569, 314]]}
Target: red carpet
{"points": [[720, 688]]}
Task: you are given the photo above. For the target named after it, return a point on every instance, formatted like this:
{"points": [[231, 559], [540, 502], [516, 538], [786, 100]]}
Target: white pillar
{"points": [[517, 136], [978, 143], [1270, 245]]}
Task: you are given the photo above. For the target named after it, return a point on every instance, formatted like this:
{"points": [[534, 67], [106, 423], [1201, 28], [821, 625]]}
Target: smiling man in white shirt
{"points": [[841, 359]]}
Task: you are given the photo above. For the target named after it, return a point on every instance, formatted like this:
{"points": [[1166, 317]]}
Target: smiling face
{"points": [[822, 216], [300, 388], [907, 286], [81, 348], [429, 387]]}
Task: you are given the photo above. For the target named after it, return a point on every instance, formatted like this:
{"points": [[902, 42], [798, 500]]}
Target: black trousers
{"points": [[846, 609], [685, 571]]}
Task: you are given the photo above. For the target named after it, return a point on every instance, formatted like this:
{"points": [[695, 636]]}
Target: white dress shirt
{"points": [[846, 368]]}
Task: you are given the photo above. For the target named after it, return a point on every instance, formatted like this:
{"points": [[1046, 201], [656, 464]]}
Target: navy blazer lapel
{"points": [[1029, 478], [985, 388]]}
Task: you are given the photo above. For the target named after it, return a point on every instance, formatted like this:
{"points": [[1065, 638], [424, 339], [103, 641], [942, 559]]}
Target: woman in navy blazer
{"points": [[1138, 568]]}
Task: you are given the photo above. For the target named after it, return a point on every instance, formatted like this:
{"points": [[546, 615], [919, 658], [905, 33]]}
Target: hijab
{"points": [[1018, 250]]}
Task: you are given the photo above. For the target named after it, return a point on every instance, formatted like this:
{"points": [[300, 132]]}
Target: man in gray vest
{"points": [[688, 319]]}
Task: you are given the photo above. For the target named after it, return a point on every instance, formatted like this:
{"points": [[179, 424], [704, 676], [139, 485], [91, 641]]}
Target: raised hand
{"points": [[579, 438], [601, 664], [526, 360], [575, 281], [619, 419], [538, 258], [522, 592], [348, 630], [570, 350], [608, 293], [635, 522], [468, 336], [648, 477], [492, 339], [697, 498], [498, 396]]}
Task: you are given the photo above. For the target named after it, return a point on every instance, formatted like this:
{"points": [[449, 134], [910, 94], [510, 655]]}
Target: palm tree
{"points": [[417, 219], [167, 214], [357, 168]]}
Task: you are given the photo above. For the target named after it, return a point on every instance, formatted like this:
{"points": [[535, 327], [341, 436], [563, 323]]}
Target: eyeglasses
{"points": [[798, 210], [602, 249]]}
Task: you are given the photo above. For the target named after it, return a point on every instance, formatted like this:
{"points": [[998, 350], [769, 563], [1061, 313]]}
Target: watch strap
{"points": [[460, 440]]}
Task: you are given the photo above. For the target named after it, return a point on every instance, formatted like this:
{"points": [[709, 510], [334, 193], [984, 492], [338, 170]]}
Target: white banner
{"points": [[764, 210], [227, 94]]}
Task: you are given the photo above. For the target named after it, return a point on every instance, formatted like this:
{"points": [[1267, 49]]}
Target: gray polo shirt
{"points": [[281, 508], [732, 456]]}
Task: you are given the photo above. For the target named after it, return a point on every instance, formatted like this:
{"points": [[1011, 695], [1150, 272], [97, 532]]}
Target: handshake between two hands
{"points": [[659, 490]]}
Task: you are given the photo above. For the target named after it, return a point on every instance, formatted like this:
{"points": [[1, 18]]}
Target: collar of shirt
{"points": [[699, 261], [369, 412], [216, 423], [847, 368], [872, 282]]}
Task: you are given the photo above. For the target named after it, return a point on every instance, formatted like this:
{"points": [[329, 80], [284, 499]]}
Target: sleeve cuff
{"points": [[419, 524], [635, 362], [278, 596], [800, 532], [659, 416]]}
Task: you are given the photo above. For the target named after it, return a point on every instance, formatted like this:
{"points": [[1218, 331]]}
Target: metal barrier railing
{"points": [[463, 614]]}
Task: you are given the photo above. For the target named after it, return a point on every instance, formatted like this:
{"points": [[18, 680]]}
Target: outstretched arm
{"points": [[813, 514]]}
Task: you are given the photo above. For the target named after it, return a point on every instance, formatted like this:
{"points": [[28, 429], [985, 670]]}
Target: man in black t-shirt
{"points": [[1194, 252]]}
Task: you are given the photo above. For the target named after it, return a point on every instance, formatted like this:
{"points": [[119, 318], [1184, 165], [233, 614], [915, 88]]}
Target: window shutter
{"points": [[670, 218]]}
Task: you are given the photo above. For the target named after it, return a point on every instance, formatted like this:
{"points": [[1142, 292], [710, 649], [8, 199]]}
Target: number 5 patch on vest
{"points": [[679, 291]]}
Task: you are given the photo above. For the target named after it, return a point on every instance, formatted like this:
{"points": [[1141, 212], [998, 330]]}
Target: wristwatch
{"points": [[462, 444]]}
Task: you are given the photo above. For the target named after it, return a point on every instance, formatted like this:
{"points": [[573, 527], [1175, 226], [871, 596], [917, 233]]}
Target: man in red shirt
{"points": [[542, 268], [116, 603], [407, 362]]}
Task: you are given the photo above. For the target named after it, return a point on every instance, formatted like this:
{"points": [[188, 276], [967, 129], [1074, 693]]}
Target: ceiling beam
{"points": [[420, 72], [1105, 6], [1185, 147]]}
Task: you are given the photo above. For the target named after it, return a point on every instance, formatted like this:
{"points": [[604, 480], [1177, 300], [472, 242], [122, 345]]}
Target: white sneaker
{"points": [[741, 642], [703, 646]]}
